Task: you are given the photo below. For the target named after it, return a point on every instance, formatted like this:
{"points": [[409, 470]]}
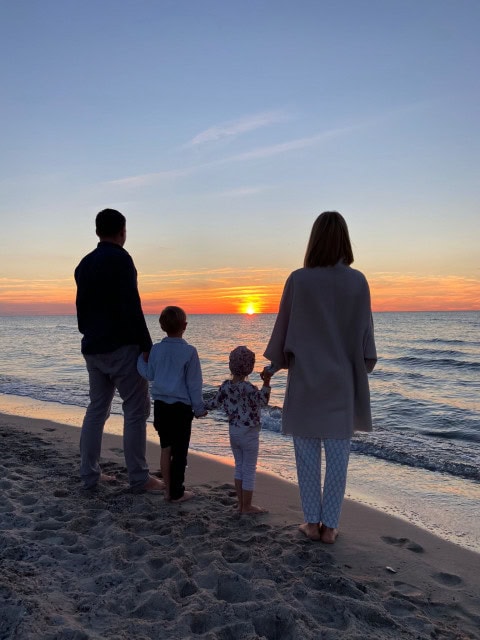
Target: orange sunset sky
{"points": [[224, 292]]}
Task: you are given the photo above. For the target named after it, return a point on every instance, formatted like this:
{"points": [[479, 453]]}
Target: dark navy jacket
{"points": [[109, 310]]}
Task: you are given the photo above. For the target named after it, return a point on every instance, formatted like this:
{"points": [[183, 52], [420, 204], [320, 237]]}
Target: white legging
{"points": [[245, 442], [324, 508]]}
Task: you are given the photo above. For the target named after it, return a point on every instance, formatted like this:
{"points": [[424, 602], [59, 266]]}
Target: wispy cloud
{"points": [[149, 178], [259, 152], [292, 145], [237, 127], [241, 192], [266, 151]]}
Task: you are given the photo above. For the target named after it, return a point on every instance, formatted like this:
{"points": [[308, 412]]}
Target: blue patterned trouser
{"points": [[308, 455]]}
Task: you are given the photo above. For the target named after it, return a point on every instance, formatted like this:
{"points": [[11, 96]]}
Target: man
{"points": [[111, 319]]}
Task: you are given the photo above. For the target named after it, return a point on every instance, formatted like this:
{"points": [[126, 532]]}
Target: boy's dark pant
{"points": [[173, 423]]}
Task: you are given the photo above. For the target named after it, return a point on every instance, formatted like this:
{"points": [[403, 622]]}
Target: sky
{"points": [[221, 129]]}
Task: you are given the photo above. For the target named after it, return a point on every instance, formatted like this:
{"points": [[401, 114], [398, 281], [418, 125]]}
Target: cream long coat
{"points": [[323, 335]]}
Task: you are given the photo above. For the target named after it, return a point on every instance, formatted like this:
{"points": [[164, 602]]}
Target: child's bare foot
{"points": [[252, 510], [328, 535], [188, 495], [311, 530]]}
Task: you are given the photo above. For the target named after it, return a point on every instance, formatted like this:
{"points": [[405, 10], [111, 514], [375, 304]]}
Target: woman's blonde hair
{"points": [[329, 241]]}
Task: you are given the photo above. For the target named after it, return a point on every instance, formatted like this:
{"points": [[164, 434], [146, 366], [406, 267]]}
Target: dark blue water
{"points": [[425, 388]]}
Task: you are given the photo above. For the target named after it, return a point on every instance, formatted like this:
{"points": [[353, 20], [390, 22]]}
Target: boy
{"points": [[174, 369]]}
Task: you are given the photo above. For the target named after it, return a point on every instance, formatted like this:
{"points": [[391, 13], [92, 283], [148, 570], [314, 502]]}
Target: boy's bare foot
{"points": [[187, 495], [252, 510], [153, 485], [311, 530], [328, 535]]}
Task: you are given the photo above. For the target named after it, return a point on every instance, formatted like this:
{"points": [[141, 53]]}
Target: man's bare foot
{"points": [[104, 477], [156, 474], [252, 510], [187, 495], [328, 535], [153, 485], [311, 530]]}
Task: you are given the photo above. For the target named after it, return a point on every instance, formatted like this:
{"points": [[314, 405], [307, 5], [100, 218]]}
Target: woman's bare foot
{"points": [[252, 510], [187, 495], [311, 530], [328, 535]]}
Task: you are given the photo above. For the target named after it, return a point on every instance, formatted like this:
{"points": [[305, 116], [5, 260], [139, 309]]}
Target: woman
{"points": [[324, 336]]}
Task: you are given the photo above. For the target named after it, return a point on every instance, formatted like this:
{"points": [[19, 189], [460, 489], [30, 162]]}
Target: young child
{"points": [[242, 402], [174, 369]]}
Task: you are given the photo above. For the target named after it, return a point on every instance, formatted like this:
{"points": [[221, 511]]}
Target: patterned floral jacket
{"points": [[241, 401]]}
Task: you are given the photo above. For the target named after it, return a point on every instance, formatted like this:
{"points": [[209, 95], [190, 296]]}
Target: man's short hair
{"points": [[109, 223], [172, 319]]}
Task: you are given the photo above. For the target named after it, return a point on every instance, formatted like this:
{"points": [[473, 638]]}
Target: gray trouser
{"points": [[107, 372]]}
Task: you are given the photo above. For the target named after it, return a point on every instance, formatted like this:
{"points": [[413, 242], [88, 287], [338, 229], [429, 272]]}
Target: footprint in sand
{"points": [[408, 590], [49, 429], [403, 542], [117, 450], [447, 579]]}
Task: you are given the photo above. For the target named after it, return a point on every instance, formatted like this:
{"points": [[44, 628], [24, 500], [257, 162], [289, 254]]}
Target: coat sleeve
{"points": [[275, 351], [369, 348]]}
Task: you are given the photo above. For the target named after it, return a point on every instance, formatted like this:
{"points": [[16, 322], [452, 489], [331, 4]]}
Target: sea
{"points": [[421, 462]]}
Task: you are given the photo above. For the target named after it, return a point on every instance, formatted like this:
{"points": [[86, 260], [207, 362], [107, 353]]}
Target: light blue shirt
{"points": [[174, 370]]}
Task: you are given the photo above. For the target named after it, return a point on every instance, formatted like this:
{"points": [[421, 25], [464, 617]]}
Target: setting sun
{"points": [[250, 309]]}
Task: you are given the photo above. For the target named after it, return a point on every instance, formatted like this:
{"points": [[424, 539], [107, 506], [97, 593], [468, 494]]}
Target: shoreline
{"points": [[118, 565], [437, 503]]}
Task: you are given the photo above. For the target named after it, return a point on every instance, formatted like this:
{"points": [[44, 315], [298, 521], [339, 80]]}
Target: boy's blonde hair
{"points": [[172, 319]]}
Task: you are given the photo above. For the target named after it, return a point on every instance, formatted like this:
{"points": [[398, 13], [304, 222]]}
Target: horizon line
{"points": [[243, 313]]}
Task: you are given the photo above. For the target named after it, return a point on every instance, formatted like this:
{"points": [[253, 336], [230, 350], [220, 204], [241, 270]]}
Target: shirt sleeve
{"points": [[142, 366], [264, 395], [217, 401], [195, 383]]}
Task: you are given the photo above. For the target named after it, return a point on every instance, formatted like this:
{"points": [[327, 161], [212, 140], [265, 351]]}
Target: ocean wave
{"points": [[471, 343], [410, 456], [437, 362]]}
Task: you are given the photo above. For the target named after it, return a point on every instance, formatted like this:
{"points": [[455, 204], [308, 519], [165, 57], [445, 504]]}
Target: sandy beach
{"points": [[111, 564]]}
